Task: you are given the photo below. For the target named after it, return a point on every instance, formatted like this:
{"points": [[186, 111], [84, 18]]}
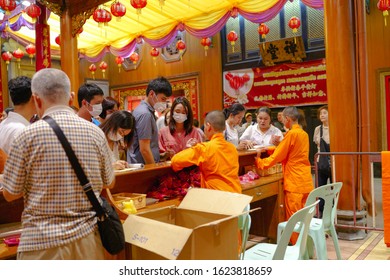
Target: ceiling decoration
{"points": [[157, 24]]}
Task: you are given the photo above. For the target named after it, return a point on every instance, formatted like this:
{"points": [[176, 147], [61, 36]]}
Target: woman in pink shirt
{"points": [[180, 132]]}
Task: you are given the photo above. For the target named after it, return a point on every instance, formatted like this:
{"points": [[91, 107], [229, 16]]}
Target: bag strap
{"points": [[84, 182], [321, 131]]}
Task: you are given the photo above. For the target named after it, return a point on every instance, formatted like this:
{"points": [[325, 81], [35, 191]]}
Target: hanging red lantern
{"points": [[18, 54], [101, 16], [232, 37], [384, 6], [294, 23], [103, 66], [6, 56], [134, 57], [118, 10], [119, 60], [154, 53], [30, 49], [138, 5], [8, 6], [263, 30], [206, 43], [33, 11], [58, 40], [92, 68], [181, 46]]}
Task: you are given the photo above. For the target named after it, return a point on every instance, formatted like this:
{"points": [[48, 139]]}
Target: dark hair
{"points": [[160, 85], [108, 104], [20, 90], [120, 119], [325, 107], [234, 110], [264, 110], [196, 123], [190, 116], [87, 92]]}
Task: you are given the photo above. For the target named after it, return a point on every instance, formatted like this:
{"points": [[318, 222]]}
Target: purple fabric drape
{"points": [[315, 4], [126, 51], [97, 58], [210, 31], [165, 41], [264, 16]]}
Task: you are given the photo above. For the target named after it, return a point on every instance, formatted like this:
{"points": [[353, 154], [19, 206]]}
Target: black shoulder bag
{"points": [[109, 224], [324, 161]]}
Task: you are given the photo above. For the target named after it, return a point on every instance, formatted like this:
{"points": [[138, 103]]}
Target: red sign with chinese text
{"points": [[284, 85]]}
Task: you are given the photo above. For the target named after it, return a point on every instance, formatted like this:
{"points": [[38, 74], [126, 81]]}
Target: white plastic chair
{"points": [[318, 227], [244, 225], [281, 250]]}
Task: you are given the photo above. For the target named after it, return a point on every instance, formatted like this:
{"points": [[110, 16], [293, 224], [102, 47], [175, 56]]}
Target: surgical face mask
{"points": [[179, 118], [115, 137], [96, 110], [159, 106]]}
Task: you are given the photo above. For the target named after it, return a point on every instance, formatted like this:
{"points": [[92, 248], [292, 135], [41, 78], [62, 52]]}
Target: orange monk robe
{"points": [[218, 163], [3, 159], [293, 153]]}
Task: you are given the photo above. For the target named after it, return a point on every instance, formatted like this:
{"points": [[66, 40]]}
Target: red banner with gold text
{"points": [[295, 84]]}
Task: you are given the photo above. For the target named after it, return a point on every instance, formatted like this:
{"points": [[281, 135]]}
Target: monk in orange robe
{"points": [[217, 159], [293, 153]]}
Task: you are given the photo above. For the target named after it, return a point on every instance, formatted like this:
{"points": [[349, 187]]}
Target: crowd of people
{"points": [[58, 218]]}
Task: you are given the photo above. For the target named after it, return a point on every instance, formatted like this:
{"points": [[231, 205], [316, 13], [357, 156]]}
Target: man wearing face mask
{"points": [[90, 98], [144, 148], [180, 132]]}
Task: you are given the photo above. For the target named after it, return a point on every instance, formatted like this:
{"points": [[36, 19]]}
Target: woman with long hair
{"points": [[233, 116]]}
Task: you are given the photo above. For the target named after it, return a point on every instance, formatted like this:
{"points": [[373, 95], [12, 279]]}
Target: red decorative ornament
{"points": [[138, 5], [134, 57], [8, 6], [30, 49], [181, 46], [294, 23], [234, 12], [58, 40], [206, 43], [119, 60], [92, 68], [118, 10], [263, 30], [154, 53], [6, 56], [80, 31], [101, 16], [103, 66], [18, 54], [384, 6], [232, 37], [33, 11]]}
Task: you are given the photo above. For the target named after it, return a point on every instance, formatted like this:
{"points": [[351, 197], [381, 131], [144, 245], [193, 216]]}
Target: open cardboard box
{"points": [[204, 226]]}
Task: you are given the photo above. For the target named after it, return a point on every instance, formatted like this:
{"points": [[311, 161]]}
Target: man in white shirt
{"points": [[24, 109]]}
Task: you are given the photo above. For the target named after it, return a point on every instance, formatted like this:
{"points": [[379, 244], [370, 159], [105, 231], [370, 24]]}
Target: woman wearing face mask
{"points": [[119, 130], [180, 132]]}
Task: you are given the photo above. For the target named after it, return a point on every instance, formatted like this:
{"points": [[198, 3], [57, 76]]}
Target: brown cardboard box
{"points": [[204, 226]]}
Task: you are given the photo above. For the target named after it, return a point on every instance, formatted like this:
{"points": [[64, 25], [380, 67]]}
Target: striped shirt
{"points": [[56, 210]]}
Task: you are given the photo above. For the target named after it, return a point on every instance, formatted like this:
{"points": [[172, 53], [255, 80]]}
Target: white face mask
{"points": [[159, 106], [115, 137], [179, 118], [96, 110]]}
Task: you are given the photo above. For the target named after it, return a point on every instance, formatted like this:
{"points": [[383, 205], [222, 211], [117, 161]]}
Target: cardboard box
{"points": [[204, 226], [139, 199]]}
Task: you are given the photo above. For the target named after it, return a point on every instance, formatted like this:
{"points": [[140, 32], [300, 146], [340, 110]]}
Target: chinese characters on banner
{"points": [[284, 85]]}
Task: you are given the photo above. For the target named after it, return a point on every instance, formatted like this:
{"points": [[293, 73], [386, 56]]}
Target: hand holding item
{"points": [[120, 164], [275, 139], [261, 152], [191, 142]]}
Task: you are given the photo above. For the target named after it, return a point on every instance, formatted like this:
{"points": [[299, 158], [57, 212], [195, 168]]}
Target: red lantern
{"points": [[101, 16], [384, 6], [92, 69], [134, 57], [30, 49], [58, 40], [33, 11], [103, 66], [8, 6], [118, 10], [263, 30], [206, 42], [119, 60], [18, 54], [154, 53], [181, 46], [232, 37], [294, 23], [6, 56], [138, 5]]}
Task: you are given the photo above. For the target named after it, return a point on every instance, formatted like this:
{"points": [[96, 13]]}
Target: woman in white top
{"points": [[119, 131], [264, 133], [234, 115]]}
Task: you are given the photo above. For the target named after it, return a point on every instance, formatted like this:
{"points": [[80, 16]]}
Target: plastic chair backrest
{"points": [[330, 194], [302, 218], [244, 224]]}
